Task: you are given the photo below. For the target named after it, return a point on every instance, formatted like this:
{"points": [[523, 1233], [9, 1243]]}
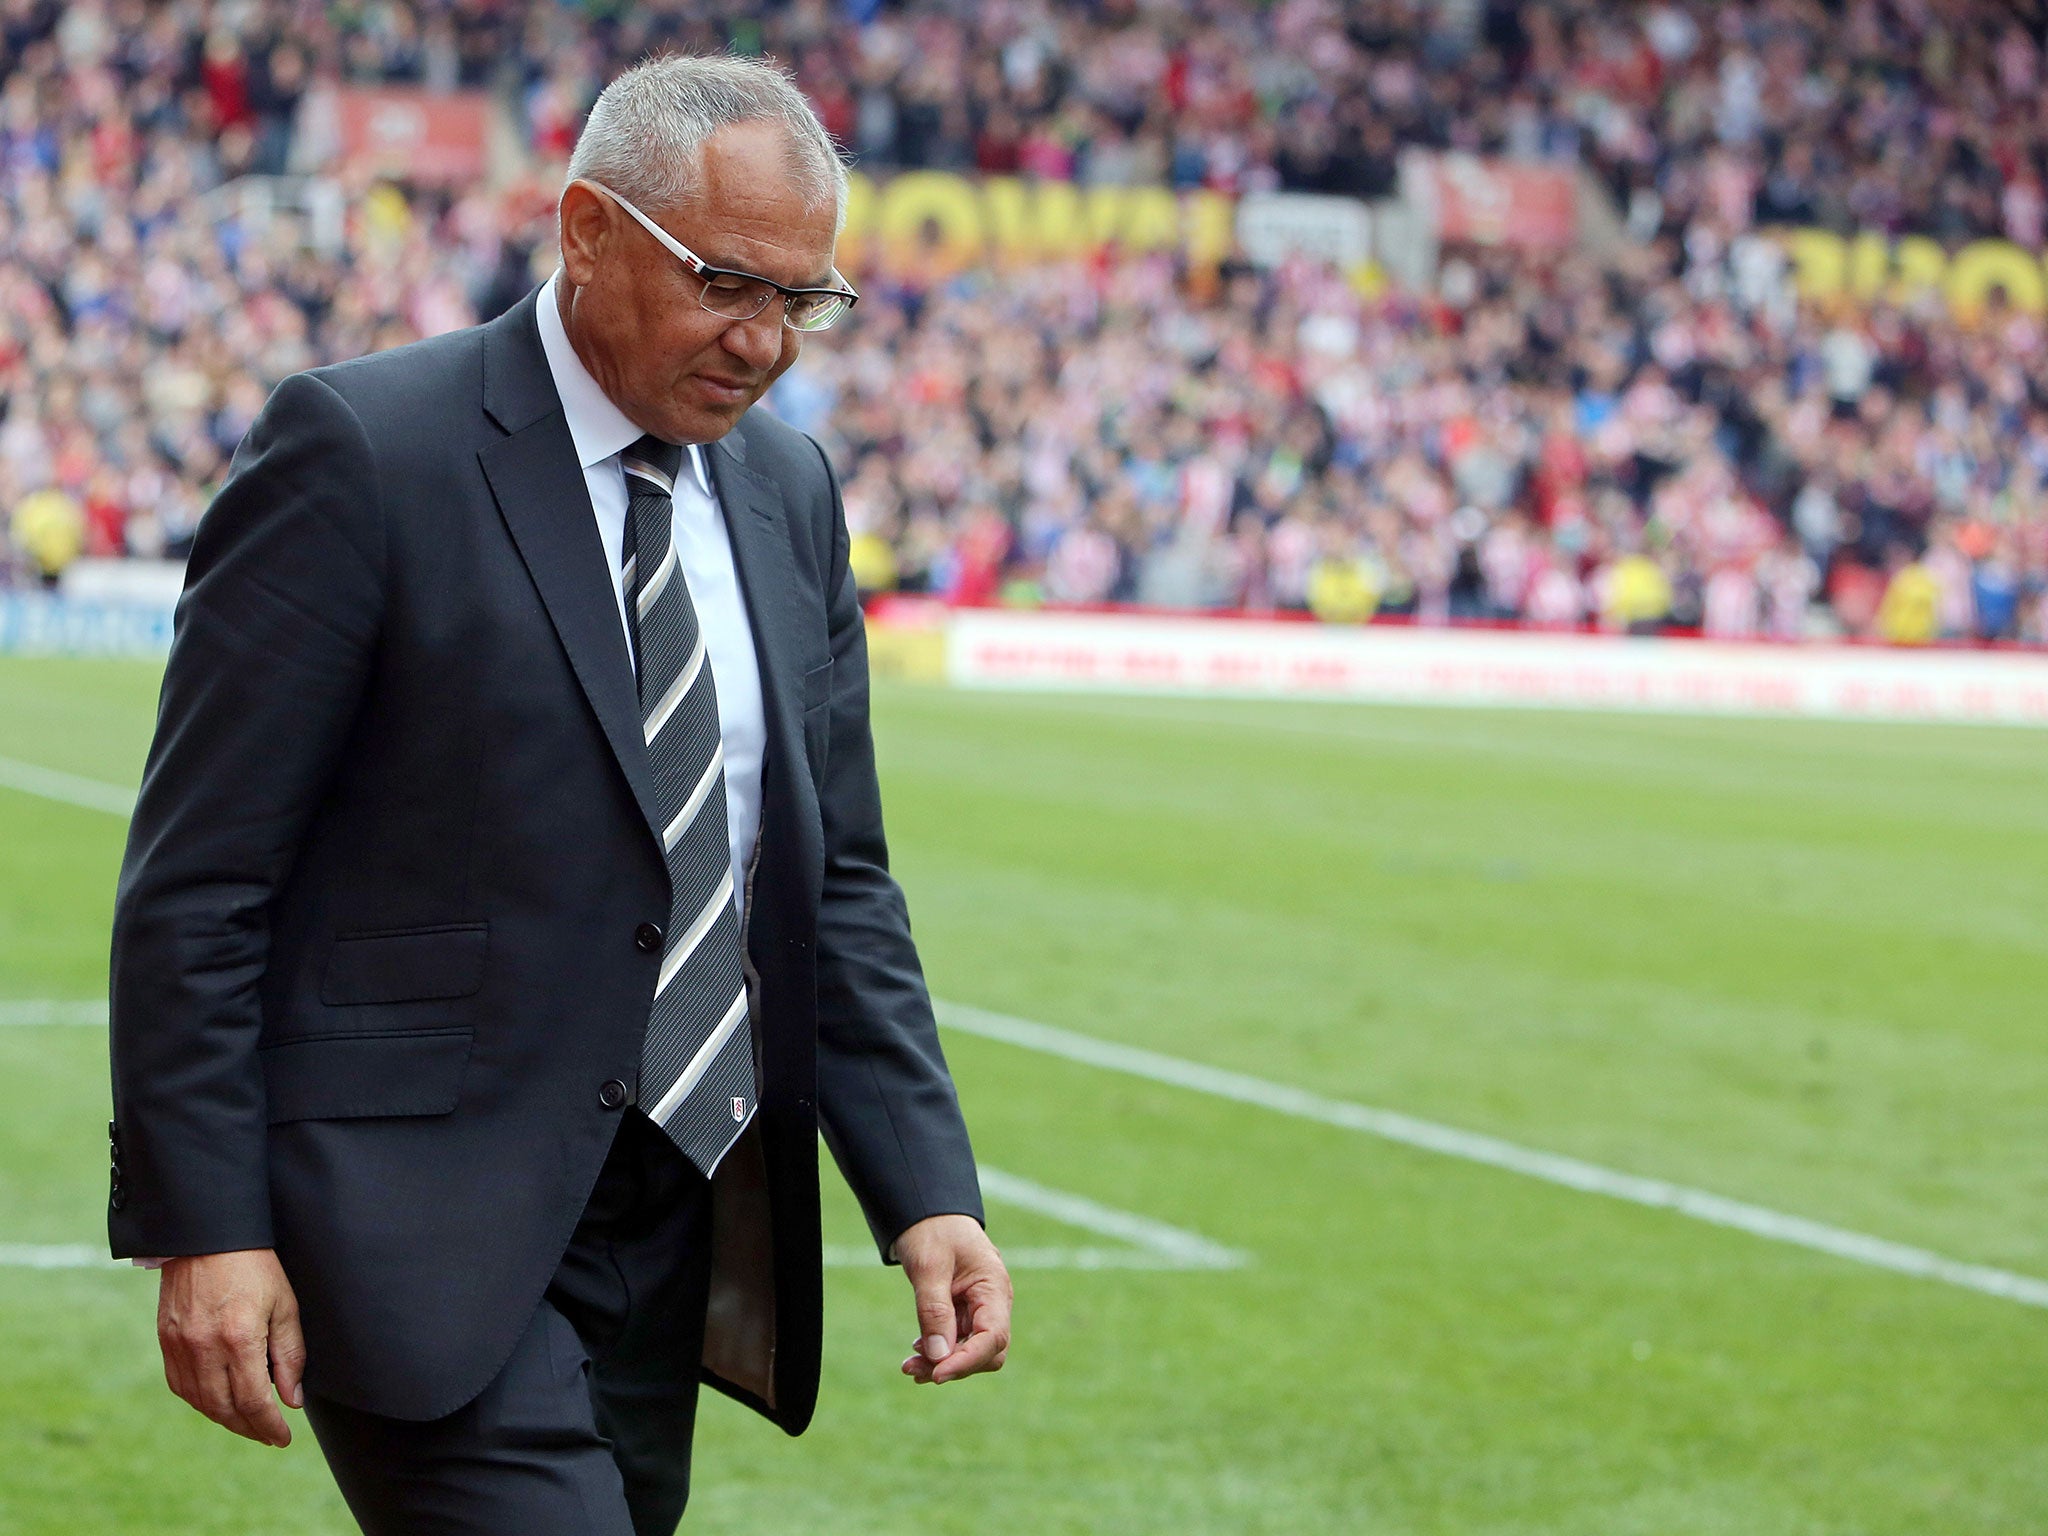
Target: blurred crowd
{"points": [[1898, 115], [1641, 447], [1662, 438]]}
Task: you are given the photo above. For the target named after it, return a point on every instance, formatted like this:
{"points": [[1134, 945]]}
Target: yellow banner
{"points": [[1870, 267], [938, 222]]}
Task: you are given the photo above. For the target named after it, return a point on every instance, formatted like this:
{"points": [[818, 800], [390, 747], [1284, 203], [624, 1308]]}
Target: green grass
{"points": [[1800, 964]]}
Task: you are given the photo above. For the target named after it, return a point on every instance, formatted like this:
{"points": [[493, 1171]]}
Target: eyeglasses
{"points": [[741, 295]]}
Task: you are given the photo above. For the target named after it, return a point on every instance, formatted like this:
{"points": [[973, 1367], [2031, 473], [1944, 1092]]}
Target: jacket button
{"points": [[648, 937], [612, 1094]]}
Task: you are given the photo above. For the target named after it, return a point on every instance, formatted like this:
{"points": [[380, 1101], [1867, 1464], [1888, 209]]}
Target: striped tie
{"points": [[697, 1066]]}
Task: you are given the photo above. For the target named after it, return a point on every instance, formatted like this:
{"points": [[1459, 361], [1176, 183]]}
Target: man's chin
{"points": [[702, 424]]}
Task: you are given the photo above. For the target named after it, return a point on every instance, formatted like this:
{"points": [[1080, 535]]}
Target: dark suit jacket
{"points": [[374, 947]]}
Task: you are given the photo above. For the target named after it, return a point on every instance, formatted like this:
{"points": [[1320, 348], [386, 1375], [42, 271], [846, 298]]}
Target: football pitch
{"points": [[1321, 1056]]}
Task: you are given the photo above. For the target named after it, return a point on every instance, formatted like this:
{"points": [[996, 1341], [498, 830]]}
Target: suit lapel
{"points": [[541, 494], [758, 526]]}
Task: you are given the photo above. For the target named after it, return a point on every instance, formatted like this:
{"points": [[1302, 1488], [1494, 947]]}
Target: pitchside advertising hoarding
{"points": [[1390, 664], [103, 608], [44, 624]]}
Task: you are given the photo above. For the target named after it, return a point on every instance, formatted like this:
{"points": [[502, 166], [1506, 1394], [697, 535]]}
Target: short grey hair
{"points": [[645, 135]]}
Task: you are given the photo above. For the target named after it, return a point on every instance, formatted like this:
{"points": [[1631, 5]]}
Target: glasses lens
{"points": [[815, 311], [737, 298]]}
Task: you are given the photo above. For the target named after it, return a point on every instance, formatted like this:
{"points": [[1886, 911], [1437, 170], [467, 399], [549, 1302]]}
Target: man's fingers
{"points": [[984, 1343], [210, 1390], [217, 1402], [937, 1321], [288, 1355], [177, 1370], [231, 1389], [976, 1354], [196, 1371], [251, 1399], [988, 1310], [987, 1342]]}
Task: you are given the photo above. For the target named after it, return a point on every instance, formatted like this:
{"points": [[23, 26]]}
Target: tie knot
{"points": [[650, 452]]}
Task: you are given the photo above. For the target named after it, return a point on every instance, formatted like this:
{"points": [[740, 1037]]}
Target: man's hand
{"points": [[963, 1299], [228, 1325]]}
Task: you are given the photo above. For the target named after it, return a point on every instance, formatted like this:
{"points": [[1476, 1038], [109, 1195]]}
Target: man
{"points": [[506, 906]]}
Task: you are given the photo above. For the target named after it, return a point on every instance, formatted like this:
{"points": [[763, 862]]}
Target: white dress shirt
{"points": [[703, 550]]}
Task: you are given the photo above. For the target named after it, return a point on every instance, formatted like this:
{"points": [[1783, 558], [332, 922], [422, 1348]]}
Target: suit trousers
{"points": [[586, 1430]]}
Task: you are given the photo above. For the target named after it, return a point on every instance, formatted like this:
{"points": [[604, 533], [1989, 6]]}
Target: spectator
{"points": [[49, 527], [1910, 611]]}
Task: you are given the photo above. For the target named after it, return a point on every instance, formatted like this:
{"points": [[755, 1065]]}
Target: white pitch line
{"points": [[1163, 1246], [853, 1256], [1148, 1244], [44, 1010], [54, 1256], [70, 788], [1570, 1172]]}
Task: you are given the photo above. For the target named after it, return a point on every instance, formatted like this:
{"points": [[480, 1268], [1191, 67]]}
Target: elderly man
{"points": [[506, 907]]}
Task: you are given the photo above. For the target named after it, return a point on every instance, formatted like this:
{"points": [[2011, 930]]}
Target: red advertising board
{"points": [[414, 135], [1495, 202]]}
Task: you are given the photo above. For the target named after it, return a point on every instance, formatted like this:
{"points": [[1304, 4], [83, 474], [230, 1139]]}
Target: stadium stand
{"points": [[1656, 433]]}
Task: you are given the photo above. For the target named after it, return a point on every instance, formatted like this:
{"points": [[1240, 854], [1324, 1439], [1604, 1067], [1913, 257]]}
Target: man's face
{"points": [[632, 308]]}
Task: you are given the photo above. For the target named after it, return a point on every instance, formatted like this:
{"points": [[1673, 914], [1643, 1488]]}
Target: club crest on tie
{"points": [[739, 1109]]}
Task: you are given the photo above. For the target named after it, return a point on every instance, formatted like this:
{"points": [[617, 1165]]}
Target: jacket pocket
{"points": [[817, 695], [817, 685], [347, 1077], [404, 965]]}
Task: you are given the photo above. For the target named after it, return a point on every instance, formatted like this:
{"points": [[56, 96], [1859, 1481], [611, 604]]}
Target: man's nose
{"points": [[758, 342]]}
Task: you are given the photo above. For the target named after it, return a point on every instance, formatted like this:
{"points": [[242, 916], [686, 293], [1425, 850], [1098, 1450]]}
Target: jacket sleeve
{"points": [[885, 1099], [274, 638]]}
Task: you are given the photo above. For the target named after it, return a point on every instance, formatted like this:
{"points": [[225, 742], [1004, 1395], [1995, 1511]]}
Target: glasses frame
{"points": [[704, 271]]}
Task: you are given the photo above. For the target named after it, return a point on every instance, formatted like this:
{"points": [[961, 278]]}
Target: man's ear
{"points": [[586, 232]]}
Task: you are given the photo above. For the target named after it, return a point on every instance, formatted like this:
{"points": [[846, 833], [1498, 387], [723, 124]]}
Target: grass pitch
{"points": [[1799, 964]]}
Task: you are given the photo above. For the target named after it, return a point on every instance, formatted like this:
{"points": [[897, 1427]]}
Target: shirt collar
{"points": [[599, 428]]}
